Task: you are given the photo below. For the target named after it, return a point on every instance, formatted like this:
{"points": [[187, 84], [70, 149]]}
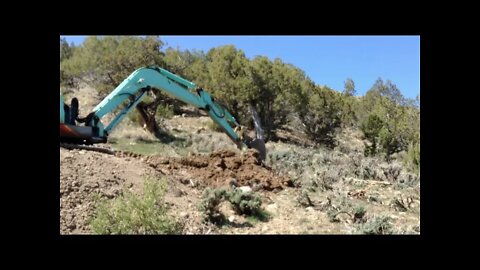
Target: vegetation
{"points": [[388, 120], [214, 126], [210, 203], [134, 214], [322, 116], [279, 92], [285, 99], [376, 225], [243, 203], [107, 61]]}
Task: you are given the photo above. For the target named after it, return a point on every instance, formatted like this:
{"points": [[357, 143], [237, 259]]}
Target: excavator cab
{"points": [[70, 132], [71, 112]]}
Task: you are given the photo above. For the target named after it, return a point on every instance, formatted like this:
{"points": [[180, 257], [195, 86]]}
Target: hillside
{"points": [[304, 188], [339, 161]]}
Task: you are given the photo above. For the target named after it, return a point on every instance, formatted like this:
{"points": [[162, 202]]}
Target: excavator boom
{"points": [[132, 90]]}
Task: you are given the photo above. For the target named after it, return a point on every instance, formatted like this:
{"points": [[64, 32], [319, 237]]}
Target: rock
{"points": [[309, 209], [231, 218], [246, 189], [220, 164], [82, 152], [178, 193], [272, 208], [184, 215], [257, 187], [233, 182]]}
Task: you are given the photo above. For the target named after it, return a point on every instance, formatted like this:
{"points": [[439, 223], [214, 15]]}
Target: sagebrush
{"points": [[243, 203], [136, 214]]}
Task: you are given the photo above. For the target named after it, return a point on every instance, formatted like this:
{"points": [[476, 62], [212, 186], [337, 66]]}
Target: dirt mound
{"points": [[222, 168]]}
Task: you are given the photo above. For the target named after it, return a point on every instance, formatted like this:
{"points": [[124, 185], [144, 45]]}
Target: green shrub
{"points": [[371, 129], [322, 116], [165, 111], [390, 121], [376, 225], [209, 205], [359, 214], [412, 159], [135, 117], [243, 203], [261, 215], [134, 214], [214, 126], [332, 215], [389, 141]]}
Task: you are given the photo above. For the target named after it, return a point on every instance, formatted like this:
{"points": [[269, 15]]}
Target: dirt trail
{"points": [[222, 168]]}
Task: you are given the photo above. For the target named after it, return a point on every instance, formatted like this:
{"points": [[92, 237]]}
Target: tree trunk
{"points": [[149, 120], [148, 112]]}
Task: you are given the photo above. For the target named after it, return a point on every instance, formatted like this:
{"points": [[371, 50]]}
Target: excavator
{"points": [[90, 129]]}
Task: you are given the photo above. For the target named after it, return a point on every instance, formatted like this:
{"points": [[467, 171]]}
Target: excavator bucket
{"points": [[259, 145]]}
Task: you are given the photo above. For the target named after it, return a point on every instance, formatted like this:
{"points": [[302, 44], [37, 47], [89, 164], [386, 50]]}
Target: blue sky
{"points": [[327, 60]]}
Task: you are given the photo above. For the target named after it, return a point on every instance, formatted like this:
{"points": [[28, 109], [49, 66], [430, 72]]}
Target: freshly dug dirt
{"points": [[87, 176], [222, 168]]}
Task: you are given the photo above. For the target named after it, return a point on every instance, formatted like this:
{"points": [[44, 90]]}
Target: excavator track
{"points": [[104, 150], [117, 153], [88, 148]]}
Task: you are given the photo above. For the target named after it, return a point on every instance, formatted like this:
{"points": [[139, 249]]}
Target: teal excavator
{"points": [[90, 129]]}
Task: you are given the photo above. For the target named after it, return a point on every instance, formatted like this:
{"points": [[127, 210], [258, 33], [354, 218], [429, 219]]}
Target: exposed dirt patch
{"points": [[87, 176], [223, 168]]}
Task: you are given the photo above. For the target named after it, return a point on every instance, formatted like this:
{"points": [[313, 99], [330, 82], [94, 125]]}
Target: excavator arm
{"points": [[136, 86]]}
